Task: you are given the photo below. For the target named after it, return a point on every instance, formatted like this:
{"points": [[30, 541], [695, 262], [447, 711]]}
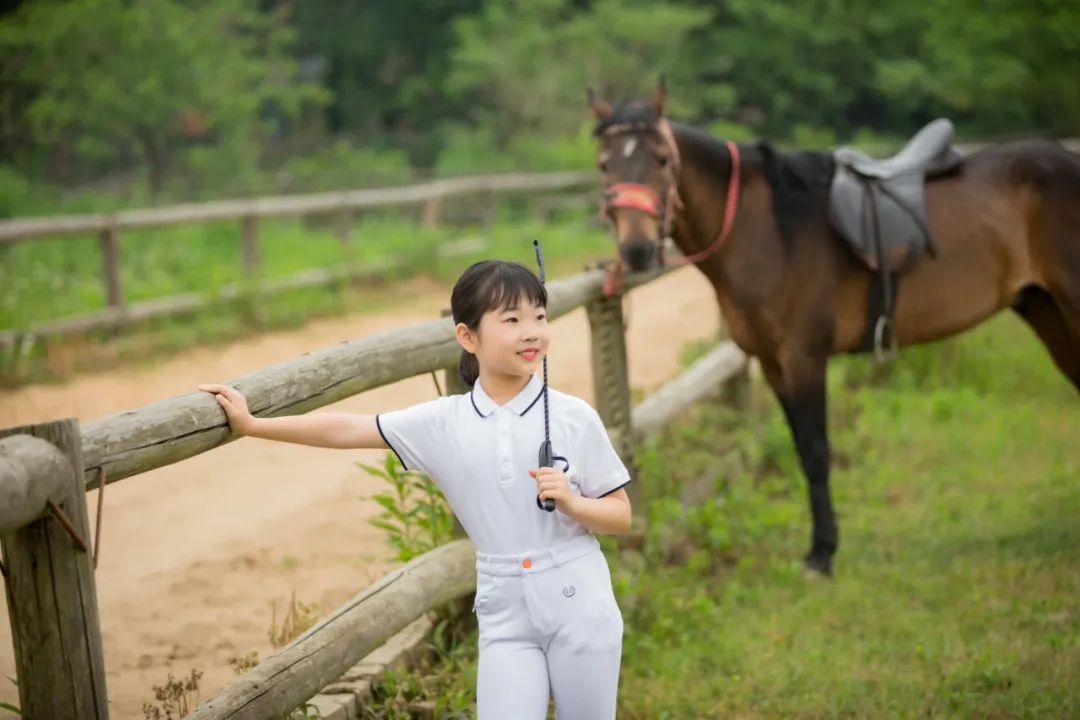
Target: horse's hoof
{"points": [[817, 566]]}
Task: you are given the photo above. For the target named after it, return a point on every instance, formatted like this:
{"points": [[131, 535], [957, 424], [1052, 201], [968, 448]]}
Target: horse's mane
{"points": [[799, 180]]}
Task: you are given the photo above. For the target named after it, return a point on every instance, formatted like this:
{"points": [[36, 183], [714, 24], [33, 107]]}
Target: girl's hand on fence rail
{"points": [[323, 429], [233, 402]]}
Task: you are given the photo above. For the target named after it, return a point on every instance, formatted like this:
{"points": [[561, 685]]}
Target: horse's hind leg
{"points": [[1052, 308], [1059, 333]]}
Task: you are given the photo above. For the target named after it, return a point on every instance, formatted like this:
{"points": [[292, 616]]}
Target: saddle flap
{"points": [[883, 223]]}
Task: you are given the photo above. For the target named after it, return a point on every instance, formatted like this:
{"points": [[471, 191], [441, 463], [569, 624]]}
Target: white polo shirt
{"points": [[479, 453]]}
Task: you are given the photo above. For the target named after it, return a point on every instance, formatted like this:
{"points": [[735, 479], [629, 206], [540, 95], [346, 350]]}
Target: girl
{"points": [[549, 624]]}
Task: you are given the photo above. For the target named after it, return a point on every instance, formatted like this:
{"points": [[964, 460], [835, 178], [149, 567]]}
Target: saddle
{"points": [[879, 207]]}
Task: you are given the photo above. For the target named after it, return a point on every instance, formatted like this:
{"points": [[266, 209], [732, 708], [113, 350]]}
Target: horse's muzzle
{"points": [[640, 254]]}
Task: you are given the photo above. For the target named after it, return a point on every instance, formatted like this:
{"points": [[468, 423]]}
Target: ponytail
{"points": [[468, 368]]}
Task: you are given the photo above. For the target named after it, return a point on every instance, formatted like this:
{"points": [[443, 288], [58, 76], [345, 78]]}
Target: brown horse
{"points": [[1005, 222]]}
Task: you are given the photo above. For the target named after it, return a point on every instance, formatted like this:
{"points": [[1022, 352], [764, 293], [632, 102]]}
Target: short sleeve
{"points": [[600, 470], [414, 432]]}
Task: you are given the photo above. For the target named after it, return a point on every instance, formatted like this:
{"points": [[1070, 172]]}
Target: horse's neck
{"points": [[754, 240], [703, 189]]}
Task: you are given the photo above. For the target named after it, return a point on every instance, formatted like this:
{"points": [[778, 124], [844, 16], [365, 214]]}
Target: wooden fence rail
{"points": [[23, 229]]}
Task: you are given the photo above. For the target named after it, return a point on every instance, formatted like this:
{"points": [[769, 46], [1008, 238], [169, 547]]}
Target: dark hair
{"points": [[485, 286]]}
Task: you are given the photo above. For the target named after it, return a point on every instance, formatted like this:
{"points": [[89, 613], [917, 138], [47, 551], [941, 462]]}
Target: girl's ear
{"points": [[465, 337]]}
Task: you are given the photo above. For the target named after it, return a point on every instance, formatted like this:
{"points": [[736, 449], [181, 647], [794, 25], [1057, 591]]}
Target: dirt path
{"points": [[195, 554]]}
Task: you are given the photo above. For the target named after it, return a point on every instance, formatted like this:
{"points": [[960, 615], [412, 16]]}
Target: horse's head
{"points": [[639, 161]]}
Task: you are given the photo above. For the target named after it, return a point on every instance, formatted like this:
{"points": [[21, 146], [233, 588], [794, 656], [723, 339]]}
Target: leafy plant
{"points": [[415, 514], [442, 685]]}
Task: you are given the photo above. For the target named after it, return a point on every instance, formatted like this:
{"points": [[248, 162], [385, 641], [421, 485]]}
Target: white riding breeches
{"points": [[549, 626]]}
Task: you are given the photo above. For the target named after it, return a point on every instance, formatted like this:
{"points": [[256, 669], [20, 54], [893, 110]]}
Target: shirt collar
{"points": [[520, 404]]}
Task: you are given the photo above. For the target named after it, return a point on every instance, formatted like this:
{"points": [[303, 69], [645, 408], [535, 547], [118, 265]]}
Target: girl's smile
{"points": [[530, 354]]}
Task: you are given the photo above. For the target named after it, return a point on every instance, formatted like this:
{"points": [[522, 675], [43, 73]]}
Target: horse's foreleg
{"points": [[800, 387]]}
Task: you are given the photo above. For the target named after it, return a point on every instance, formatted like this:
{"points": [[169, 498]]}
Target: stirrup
{"points": [[881, 330]]}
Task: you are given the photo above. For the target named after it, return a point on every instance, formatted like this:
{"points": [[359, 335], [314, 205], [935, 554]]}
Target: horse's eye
{"points": [[602, 166], [663, 161]]}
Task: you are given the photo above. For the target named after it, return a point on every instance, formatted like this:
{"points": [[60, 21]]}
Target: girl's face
{"points": [[509, 342]]}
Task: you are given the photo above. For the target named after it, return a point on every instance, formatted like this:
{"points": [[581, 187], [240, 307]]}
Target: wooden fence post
{"points": [[736, 391], [487, 209], [429, 215], [52, 601], [249, 227], [110, 267], [348, 250], [611, 379], [344, 227]]}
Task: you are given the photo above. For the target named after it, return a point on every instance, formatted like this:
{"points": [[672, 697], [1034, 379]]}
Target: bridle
{"points": [[639, 196]]}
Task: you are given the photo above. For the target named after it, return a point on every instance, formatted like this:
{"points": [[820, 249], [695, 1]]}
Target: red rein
{"points": [[641, 197]]}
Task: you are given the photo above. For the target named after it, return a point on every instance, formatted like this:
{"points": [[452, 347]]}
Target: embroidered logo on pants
{"points": [[568, 591]]}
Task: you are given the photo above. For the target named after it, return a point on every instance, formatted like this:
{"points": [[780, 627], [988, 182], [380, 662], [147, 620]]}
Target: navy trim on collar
{"points": [[513, 404], [473, 401], [535, 400]]}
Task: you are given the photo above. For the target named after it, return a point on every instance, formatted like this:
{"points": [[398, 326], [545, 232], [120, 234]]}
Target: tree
{"points": [[386, 63], [523, 65], [155, 77], [1008, 65]]}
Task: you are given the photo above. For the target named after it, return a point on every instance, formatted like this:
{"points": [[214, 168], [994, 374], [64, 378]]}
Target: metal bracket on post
{"points": [[63, 520]]}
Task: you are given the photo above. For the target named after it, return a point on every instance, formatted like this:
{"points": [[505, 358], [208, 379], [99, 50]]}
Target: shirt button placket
{"points": [[502, 443]]}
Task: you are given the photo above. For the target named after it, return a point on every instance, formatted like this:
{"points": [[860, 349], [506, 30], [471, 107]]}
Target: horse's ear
{"points": [[660, 97], [599, 108]]}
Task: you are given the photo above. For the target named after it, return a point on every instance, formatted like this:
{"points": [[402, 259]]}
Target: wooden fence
{"points": [[46, 470], [248, 213]]}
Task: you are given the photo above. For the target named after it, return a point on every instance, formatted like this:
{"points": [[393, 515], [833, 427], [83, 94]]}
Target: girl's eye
{"points": [[541, 316], [510, 319]]}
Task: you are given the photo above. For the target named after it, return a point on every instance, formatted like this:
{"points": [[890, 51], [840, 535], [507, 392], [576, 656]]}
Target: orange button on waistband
{"points": [[526, 563]]}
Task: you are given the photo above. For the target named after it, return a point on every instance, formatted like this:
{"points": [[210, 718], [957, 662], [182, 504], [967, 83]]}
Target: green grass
{"points": [[957, 587]]}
